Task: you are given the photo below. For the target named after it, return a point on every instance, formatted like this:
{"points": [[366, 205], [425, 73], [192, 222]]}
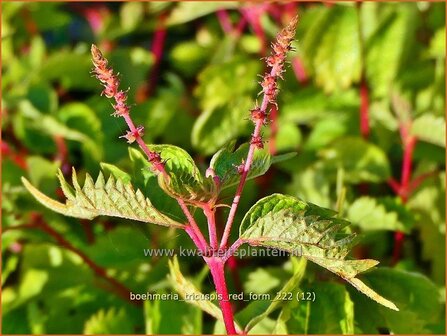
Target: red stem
{"points": [[157, 49], [409, 142], [216, 266], [211, 218], [253, 16], [364, 109], [225, 21], [38, 223], [299, 70], [245, 171], [406, 166]]}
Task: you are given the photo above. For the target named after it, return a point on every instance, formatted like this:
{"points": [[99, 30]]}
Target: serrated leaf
{"points": [[288, 223], [225, 162], [112, 198], [184, 179], [372, 214], [429, 128], [108, 322], [361, 160]]}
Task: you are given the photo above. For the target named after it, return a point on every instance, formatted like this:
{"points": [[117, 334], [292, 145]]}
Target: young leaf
{"points": [[114, 198], [288, 223], [187, 289], [184, 178], [225, 163]]}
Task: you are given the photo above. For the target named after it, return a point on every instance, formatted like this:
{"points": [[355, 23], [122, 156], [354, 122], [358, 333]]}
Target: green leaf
{"points": [[325, 131], [131, 14], [109, 322], [225, 93], [309, 104], [225, 162], [71, 69], [332, 305], [188, 291], [386, 49], [188, 11], [184, 179], [417, 297], [288, 223], [437, 44], [311, 184], [114, 198], [215, 127], [337, 60], [291, 284], [42, 170], [373, 214], [361, 161], [116, 172], [429, 128], [82, 118]]}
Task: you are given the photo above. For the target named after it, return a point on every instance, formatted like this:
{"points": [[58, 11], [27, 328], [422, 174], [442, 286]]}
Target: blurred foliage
{"points": [[194, 90]]}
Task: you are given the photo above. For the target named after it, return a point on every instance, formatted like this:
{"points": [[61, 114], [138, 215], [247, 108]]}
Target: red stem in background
{"points": [[62, 154], [409, 143], [299, 70], [253, 16], [406, 166], [17, 158], [38, 223], [416, 182], [157, 47], [364, 109], [225, 21]]}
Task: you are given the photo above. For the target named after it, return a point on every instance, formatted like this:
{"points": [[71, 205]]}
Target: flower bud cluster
{"points": [[111, 84], [269, 82]]}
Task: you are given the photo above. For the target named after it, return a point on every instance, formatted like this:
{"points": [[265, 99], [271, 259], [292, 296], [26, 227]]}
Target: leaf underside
{"points": [[113, 198], [288, 223]]}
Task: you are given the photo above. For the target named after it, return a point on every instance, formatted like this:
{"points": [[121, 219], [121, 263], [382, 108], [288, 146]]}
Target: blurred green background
{"points": [[362, 103]]}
